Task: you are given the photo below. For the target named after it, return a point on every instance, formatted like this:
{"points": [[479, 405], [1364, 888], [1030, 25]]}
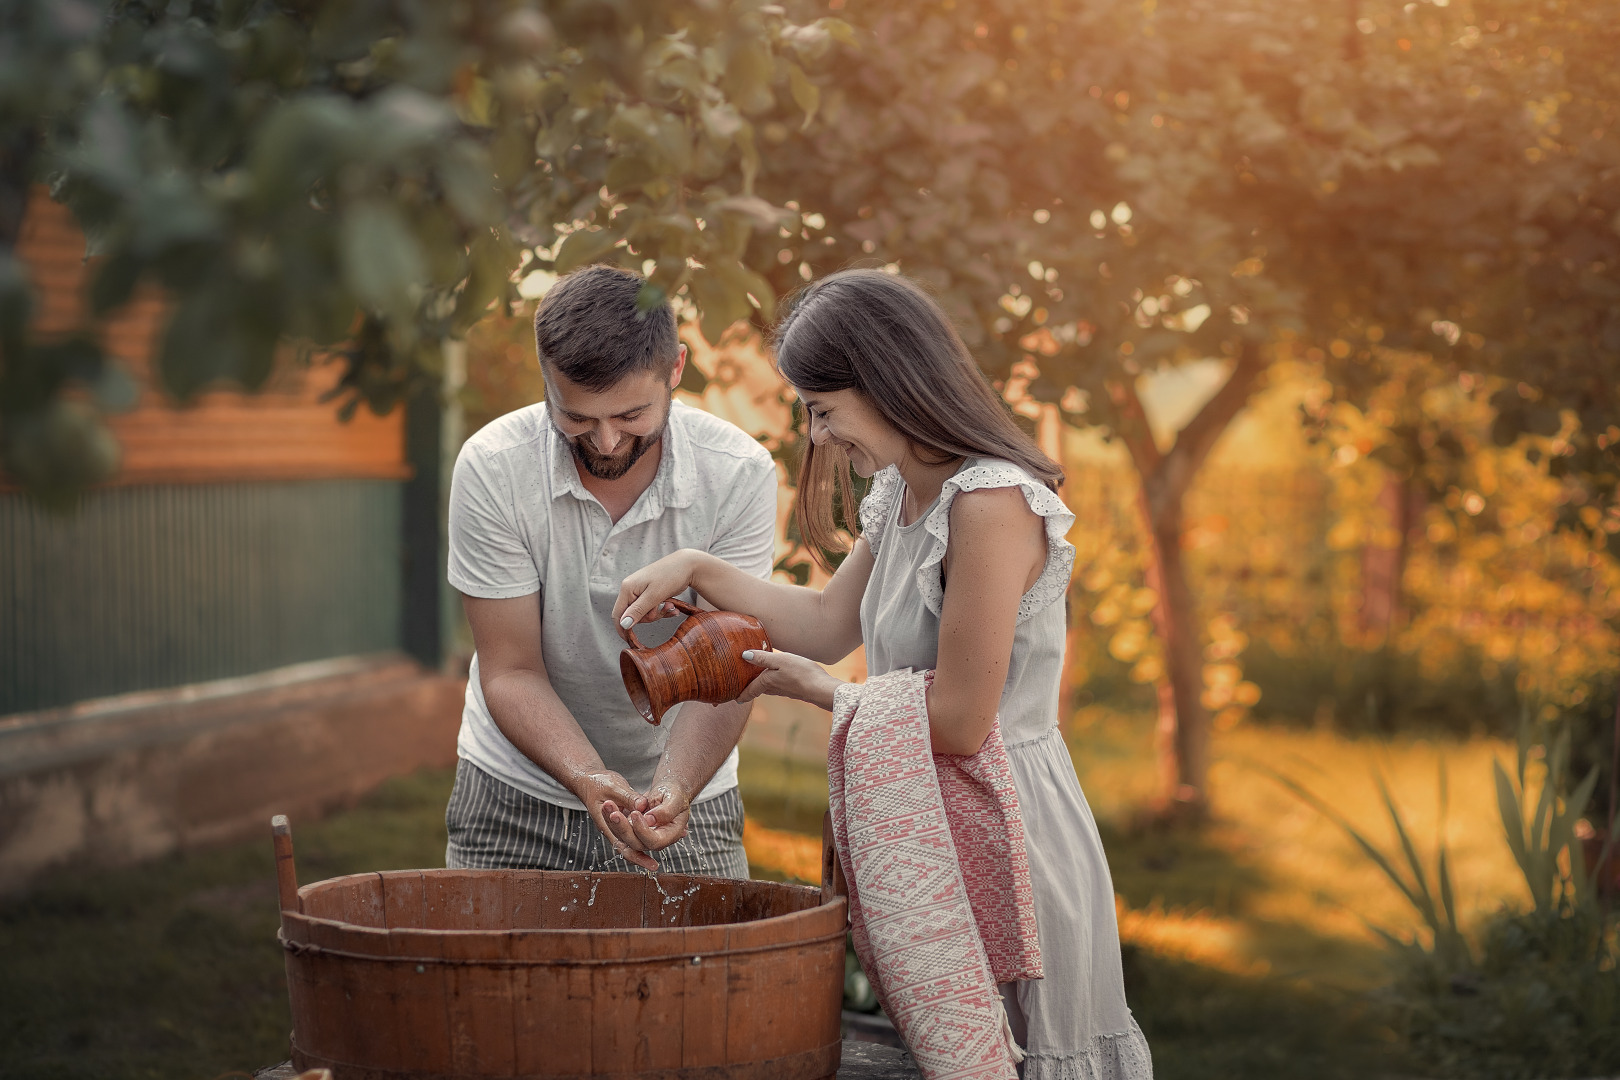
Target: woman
{"points": [[961, 567]]}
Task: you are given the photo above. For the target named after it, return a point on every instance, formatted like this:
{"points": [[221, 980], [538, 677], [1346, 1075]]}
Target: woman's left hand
{"points": [[790, 676]]}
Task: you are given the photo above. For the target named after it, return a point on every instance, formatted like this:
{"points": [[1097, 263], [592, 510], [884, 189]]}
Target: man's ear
{"points": [[680, 366]]}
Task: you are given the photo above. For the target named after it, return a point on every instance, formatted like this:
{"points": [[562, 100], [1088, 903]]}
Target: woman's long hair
{"points": [[881, 334]]}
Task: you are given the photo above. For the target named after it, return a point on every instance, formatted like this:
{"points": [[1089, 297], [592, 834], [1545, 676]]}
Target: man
{"points": [[550, 507]]}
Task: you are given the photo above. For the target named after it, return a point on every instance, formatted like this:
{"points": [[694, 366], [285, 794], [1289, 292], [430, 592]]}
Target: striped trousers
{"points": [[494, 826]]}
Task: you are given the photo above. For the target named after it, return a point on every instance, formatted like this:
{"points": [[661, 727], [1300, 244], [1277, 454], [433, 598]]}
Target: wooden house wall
{"points": [[243, 531]]}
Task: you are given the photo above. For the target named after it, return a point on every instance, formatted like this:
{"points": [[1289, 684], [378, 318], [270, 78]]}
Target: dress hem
{"points": [[1120, 1055]]}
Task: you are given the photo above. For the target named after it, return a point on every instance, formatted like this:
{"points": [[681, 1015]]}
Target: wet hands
{"points": [[791, 676], [652, 822], [607, 796], [636, 824]]}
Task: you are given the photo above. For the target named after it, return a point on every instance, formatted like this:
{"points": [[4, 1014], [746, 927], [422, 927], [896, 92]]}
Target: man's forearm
{"points": [[535, 720], [702, 738]]}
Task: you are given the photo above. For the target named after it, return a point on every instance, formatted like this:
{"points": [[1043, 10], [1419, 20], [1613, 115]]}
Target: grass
{"points": [[1247, 954], [171, 969], [1293, 890]]}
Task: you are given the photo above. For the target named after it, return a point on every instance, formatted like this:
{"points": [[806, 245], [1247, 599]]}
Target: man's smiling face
{"points": [[610, 430]]}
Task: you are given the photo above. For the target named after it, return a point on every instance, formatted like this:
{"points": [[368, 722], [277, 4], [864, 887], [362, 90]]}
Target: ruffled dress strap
{"points": [[877, 508], [991, 473]]}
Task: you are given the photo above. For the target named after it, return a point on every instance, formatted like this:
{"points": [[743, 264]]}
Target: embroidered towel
{"points": [[940, 902]]}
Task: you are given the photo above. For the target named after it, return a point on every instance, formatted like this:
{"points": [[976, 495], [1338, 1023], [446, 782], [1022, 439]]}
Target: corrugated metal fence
{"points": [[146, 587]]}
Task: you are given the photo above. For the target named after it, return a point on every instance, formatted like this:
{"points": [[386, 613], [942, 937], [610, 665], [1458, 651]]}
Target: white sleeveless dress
{"points": [[1073, 1024]]}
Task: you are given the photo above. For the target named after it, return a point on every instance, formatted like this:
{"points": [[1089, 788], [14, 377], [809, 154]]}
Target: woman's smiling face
{"points": [[847, 420]]}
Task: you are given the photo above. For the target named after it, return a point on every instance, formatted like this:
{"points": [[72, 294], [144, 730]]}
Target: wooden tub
{"points": [[482, 973]]}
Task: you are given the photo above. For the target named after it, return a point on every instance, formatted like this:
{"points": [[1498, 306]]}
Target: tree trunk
{"points": [[1182, 734], [1182, 739], [1382, 568]]}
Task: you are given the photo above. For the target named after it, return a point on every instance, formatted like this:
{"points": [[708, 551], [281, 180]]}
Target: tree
{"points": [[1097, 190], [363, 178], [1092, 190]]}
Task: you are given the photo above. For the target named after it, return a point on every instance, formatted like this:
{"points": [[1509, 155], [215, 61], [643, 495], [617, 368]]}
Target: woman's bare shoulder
{"points": [[991, 508]]}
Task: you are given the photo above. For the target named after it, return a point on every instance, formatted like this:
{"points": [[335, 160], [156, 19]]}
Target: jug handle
{"points": [[679, 605]]}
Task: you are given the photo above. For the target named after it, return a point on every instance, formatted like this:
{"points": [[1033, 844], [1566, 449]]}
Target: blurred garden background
{"points": [[1319, 307]]}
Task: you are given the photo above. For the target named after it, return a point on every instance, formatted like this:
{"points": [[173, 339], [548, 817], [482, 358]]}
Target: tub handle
{"points": [[286, 872]]}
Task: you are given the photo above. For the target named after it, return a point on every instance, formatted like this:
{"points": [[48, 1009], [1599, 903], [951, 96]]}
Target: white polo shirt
{"points": [[522, 524]]}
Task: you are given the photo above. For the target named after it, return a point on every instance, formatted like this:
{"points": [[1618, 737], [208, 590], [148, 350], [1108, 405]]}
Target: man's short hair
{"points": [[588, 328]]}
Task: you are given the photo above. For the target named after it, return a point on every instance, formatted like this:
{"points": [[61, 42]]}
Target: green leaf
{"points": [[674, 143], [469, 183], [1564, 836], [759, 213], [382, 262], [1507, 805], [402, 119], [1448, 902], [114, 282], [1367, 847], [629, 170], [650, 297], [298, 143], [115, 391], [741, 280], [170, 212], [108, 151], [583, 246], [806, 94], [693, 381], [1424, 898], [219, 332], [841, 31], [16, 301], [722, 122], [748, 77], [750, 157], [720, 303], [59, 451], [1442, 861], [490, 273]]}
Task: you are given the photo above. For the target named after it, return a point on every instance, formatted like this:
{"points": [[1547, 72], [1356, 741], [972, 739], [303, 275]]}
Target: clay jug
{"points": [[701, 662]]}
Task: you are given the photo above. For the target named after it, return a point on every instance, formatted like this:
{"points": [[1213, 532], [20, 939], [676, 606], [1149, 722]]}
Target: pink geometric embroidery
{"points": [[940, 903]]}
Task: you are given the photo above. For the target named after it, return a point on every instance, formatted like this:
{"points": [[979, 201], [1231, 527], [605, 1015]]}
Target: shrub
{"points": [[1539, 995]]}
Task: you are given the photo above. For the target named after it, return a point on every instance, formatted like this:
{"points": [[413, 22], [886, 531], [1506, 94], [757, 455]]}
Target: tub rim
{"points": [[302, 934]]}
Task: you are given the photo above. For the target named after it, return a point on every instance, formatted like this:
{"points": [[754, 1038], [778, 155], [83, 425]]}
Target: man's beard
{"points": [[613, 466]]}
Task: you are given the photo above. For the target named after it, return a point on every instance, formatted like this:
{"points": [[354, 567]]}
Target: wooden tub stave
{"points": [[459, 973]]}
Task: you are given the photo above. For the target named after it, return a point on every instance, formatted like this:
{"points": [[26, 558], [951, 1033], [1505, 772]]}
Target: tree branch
{"points": [[1131, 425], [1195, 441]]}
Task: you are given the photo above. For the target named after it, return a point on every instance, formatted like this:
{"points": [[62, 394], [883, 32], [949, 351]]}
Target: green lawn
{"points": [[1246, 952], [171, 969]]}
